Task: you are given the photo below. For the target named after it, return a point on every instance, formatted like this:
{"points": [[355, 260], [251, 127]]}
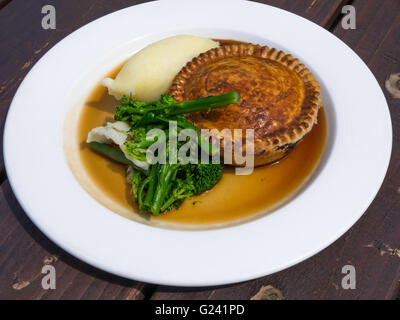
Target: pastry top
{"points": [[279, 96]]}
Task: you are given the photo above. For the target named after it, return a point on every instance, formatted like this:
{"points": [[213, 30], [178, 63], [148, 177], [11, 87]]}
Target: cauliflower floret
{"points": [[117, 133]]}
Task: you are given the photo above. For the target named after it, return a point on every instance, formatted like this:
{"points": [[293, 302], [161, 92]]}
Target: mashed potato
{"points": [[149, 73]]}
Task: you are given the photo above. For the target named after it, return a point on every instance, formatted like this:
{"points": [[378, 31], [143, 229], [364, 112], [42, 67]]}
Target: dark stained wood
{"points": [[370, 244], [24, 249], [3, 3], [26, 42], [23, 41], [377, 41], [322, 12]]}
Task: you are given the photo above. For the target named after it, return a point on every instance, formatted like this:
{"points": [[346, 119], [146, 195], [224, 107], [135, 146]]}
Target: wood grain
{"points": [[24, 249], [369, 244], [322, 12], [26, 42]]}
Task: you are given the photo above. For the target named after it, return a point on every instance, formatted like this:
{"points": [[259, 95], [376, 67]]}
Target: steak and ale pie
{"points": [[280, 97], [219, 85]]}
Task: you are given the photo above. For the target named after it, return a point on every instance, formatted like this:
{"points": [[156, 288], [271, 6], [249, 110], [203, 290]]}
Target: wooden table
{"points": [[370, 245]]}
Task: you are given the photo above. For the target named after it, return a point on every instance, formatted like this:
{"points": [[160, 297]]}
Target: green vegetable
{"points": [[195, 179], [136, 181], [114, 154], [165, 186], [166, 176], [141, 114], [206, 176], [110, 152]]}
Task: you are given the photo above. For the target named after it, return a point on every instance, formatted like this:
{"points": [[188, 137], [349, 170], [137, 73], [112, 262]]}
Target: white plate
{"points": [[353, 167]]}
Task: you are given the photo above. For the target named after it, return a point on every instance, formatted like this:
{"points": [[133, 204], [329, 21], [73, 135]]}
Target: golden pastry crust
{"points": [[280, 97]]}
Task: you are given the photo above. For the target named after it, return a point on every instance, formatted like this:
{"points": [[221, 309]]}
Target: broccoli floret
{"points": [[165, 185], [182, 189], [191, 179], [206, 176]]}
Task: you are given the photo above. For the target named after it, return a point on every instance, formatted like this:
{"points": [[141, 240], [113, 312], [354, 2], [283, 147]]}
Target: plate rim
{"points": [[160, 279]]}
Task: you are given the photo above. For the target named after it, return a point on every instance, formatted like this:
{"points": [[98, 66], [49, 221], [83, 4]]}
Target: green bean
{"points": [[114, 154], [206, 103]]}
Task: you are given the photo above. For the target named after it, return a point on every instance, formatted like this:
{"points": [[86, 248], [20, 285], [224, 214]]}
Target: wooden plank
{"points": [[26, 42], [370, 245], [377, 41], [322, 12], [24, 250]]}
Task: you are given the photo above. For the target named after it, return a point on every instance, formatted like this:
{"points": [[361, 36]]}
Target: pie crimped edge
{"points": [[277, 144]]}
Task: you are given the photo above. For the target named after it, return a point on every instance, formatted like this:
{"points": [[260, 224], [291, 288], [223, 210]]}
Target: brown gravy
{"points": [[234, 199]]}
